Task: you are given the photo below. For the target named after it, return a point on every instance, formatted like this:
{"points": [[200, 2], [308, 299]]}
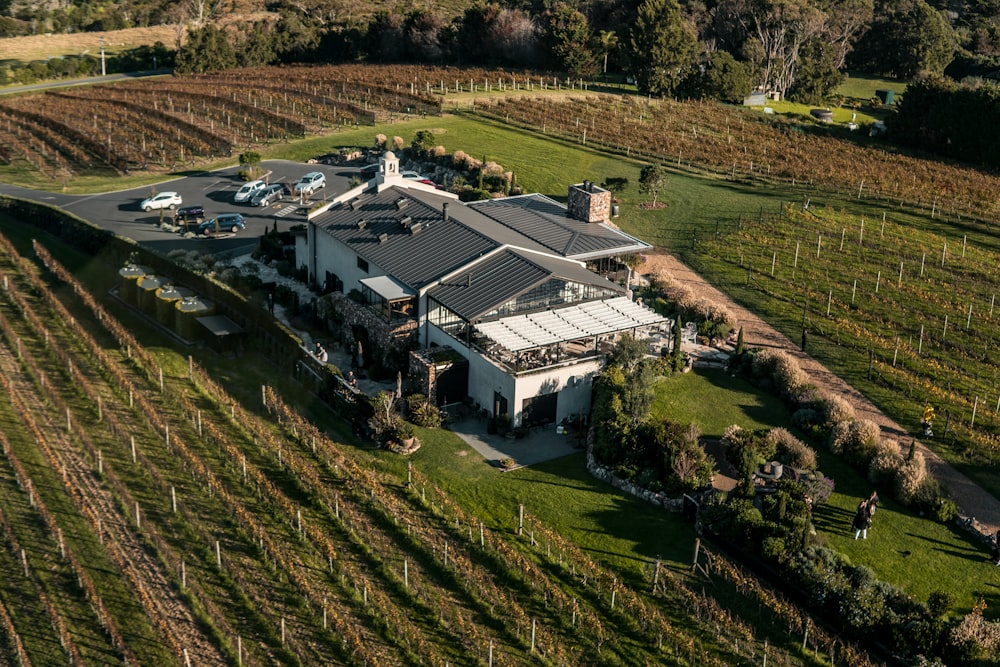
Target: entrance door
{"points": [[499, 404]]}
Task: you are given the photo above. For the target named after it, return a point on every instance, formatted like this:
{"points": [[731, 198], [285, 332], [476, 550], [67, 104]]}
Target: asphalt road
{"points": [[119, 211]]}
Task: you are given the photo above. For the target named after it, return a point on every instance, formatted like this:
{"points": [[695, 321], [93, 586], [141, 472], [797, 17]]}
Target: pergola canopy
{"points": [[594, 318]]}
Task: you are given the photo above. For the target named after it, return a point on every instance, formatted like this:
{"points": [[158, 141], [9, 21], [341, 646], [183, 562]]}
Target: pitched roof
{"points": [[404, 233], [496, 279], [546, 222]]}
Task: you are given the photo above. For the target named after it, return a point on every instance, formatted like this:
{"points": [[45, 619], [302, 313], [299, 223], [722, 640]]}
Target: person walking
{"points": [[872, 506], [862, 520]]}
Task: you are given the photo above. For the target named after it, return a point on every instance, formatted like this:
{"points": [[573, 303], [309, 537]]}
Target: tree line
{"points": [[717, 49], [694, 48]]}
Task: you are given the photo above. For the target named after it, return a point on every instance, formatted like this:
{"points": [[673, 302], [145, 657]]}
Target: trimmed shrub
{"points": [[790, 450], [782, 370], [833, 408], [910, 477], [885, 464], [805, 419], [856, 441]]}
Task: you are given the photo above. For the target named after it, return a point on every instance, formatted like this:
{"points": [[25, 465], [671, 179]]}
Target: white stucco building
{"points": [[499, 300]]}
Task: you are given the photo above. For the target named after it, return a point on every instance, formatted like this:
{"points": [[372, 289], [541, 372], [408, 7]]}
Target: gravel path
{"points": [[972, 500]]}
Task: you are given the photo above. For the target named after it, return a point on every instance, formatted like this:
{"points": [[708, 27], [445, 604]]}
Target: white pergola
{"points": [[595, 318]]}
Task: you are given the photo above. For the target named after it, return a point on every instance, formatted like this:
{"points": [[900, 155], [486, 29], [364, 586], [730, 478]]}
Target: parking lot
{"points": [[119, 211]]}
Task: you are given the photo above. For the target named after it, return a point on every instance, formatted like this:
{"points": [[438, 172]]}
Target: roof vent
{"points": [[416, 227], [353, 204], [401, 203], [383, 237], [468, 280], [406, 221], [444, 211], [362, 223]]}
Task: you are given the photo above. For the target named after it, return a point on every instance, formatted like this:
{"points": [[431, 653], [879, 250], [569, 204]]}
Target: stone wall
{"points": [[671, 503], [340, 313], [589, 203]]}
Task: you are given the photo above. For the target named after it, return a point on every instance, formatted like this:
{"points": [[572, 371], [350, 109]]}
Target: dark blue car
{"points": [[227, 222]]}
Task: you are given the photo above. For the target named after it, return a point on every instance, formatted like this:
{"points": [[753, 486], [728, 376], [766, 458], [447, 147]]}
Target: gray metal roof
{"points": [[403, 232], [502, 276], [546, 222]]}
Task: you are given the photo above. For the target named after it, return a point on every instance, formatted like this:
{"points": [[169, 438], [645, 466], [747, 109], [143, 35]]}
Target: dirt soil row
{"points": [[979, 508]]}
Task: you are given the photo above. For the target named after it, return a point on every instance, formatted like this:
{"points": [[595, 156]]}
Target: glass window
{"points": [[363, 264]]}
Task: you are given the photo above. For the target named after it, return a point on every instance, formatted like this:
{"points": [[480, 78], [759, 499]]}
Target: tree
{"points": [[776, 30], [258, 48], [491, 34], [422, 31], [207, 49], [818, 75], [652, 179], [566, 35], [423, 141], [907, 37], [659, 47], [385, 37], [677, 354], [250, 160], [722, 77], [607, 41]]}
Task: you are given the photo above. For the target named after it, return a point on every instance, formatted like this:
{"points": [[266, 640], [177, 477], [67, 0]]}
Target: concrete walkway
{"points": [[541, 444]]}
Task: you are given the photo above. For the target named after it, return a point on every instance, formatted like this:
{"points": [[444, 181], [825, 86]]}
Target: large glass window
{"points": [[554, 292], [447, 320]]}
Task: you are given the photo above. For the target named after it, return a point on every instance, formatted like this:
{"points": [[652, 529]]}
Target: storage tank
{"points": [[147, 287], [166, 302], [188, 310], [128, 276]]}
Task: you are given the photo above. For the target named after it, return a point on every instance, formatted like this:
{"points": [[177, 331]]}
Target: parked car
{"points": [[369, 170], [412, 174], [309, 183], [190, 214], [246, 193], [268, 194], [227, 222], [170, 200]]}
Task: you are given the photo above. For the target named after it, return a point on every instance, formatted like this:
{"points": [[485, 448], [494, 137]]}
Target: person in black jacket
{"points": [[862, 520]]}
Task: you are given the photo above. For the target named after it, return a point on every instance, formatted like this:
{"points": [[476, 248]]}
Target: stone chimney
{"points": [[589, 203]]}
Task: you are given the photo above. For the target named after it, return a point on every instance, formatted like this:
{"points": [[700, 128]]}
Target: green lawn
{"points": [[863, 86], [713, 399], [914, 553]]}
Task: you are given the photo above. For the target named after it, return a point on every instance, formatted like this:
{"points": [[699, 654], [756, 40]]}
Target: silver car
{"points": [[309, 183], [271, 193]]}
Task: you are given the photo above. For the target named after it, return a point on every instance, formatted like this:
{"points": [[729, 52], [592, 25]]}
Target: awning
{"points": [[388, 288], [594, 318], [219, 325]]}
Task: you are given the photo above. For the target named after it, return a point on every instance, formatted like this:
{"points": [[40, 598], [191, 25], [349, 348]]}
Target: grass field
{"points": [[40, 47]]}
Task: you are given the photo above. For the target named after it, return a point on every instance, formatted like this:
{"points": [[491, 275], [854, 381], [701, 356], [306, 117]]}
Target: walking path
{"points": [[973, 502]]}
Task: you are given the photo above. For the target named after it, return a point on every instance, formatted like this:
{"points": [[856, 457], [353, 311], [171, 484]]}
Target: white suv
{"points": [[309, 183], [246, 193], [170, 200]]}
